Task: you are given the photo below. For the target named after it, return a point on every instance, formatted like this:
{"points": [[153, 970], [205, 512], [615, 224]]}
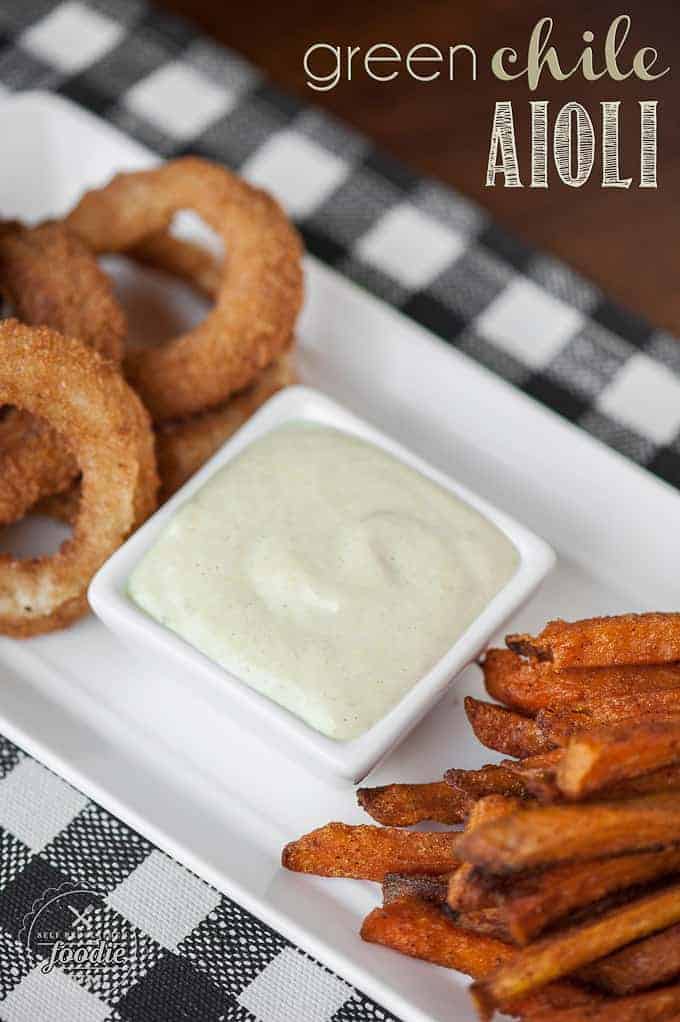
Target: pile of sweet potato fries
{"points": [[561, 896]]}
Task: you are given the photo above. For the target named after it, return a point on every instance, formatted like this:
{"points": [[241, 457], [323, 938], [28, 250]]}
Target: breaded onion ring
{"points": [[51, 279], [83, 397], [260, 291], [182, 447]]}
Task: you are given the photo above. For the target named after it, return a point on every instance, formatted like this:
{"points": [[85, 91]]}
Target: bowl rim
{"points": [[350, 758]]}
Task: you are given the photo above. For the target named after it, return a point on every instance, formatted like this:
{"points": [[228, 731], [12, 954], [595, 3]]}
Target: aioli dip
{"points": [[324, 573]]}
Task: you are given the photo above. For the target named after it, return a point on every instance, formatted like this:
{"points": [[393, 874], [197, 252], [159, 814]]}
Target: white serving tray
{"points": [[146, 747]]}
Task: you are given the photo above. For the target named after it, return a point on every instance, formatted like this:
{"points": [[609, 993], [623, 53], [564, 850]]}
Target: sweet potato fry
{"points": [[595, 759], [604, 641], [646, 963], [492, 807], [399, 805], [560, 724], [421, 930], [533, 902], [406, 885], [532, 685], [661, 1005], [368, 853], [418, 928], [504, 730], [490, 780], [569, 950], [547, 835]]}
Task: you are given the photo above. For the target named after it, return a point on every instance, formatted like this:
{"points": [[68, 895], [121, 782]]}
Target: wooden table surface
{"points": [[625, 240]]}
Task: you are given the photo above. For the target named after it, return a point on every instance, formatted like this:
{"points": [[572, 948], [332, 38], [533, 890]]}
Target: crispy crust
{"points": [[400, 805], [532, 685], [565, 952], [488, 780], [549, 835], [51, 279], [183, 446], [83, 397], [603, 756], [369, 853], [420, 929], [604, 641], [260, 292], [534, 902], [505, 730]]}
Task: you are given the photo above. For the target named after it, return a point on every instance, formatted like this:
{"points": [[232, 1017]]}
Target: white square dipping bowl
{"points": [[351, 759]]}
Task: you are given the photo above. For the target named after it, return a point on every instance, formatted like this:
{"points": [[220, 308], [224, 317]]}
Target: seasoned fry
{"points": [[562, 954], [547, 835], [504, 730], [490, 780], [536, 901], [646, 963], [492, 807], [532, 685], [369, 853], [418, 928], [657, 1006], [399, 805], [421, 930], [406, 885], [561, 723], [604, 641], [600, 757]]}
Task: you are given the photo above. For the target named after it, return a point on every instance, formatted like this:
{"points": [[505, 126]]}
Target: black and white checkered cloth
{"points": [[191, 953]]}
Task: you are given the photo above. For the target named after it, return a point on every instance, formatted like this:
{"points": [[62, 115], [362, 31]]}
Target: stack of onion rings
{"points": [[76, 442], [85, 400], [260, 290]]}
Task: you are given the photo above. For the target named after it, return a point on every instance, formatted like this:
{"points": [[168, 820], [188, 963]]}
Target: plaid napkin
{"points": [[187, 952]]}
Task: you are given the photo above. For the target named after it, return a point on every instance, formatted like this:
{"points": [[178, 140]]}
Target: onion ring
{"points": [[260, 290], [183, 447], [84, 398], [50, 278]]}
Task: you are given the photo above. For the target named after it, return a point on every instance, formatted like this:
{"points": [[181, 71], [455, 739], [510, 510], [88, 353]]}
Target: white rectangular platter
{"points": [[173, 764]]}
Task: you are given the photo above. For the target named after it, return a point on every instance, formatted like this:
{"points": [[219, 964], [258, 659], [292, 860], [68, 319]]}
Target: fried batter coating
{"points": [[260, 291], [84, 398], [51, 279]]}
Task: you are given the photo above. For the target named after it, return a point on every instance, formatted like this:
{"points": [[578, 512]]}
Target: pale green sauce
{"points": [[324, 573]]}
